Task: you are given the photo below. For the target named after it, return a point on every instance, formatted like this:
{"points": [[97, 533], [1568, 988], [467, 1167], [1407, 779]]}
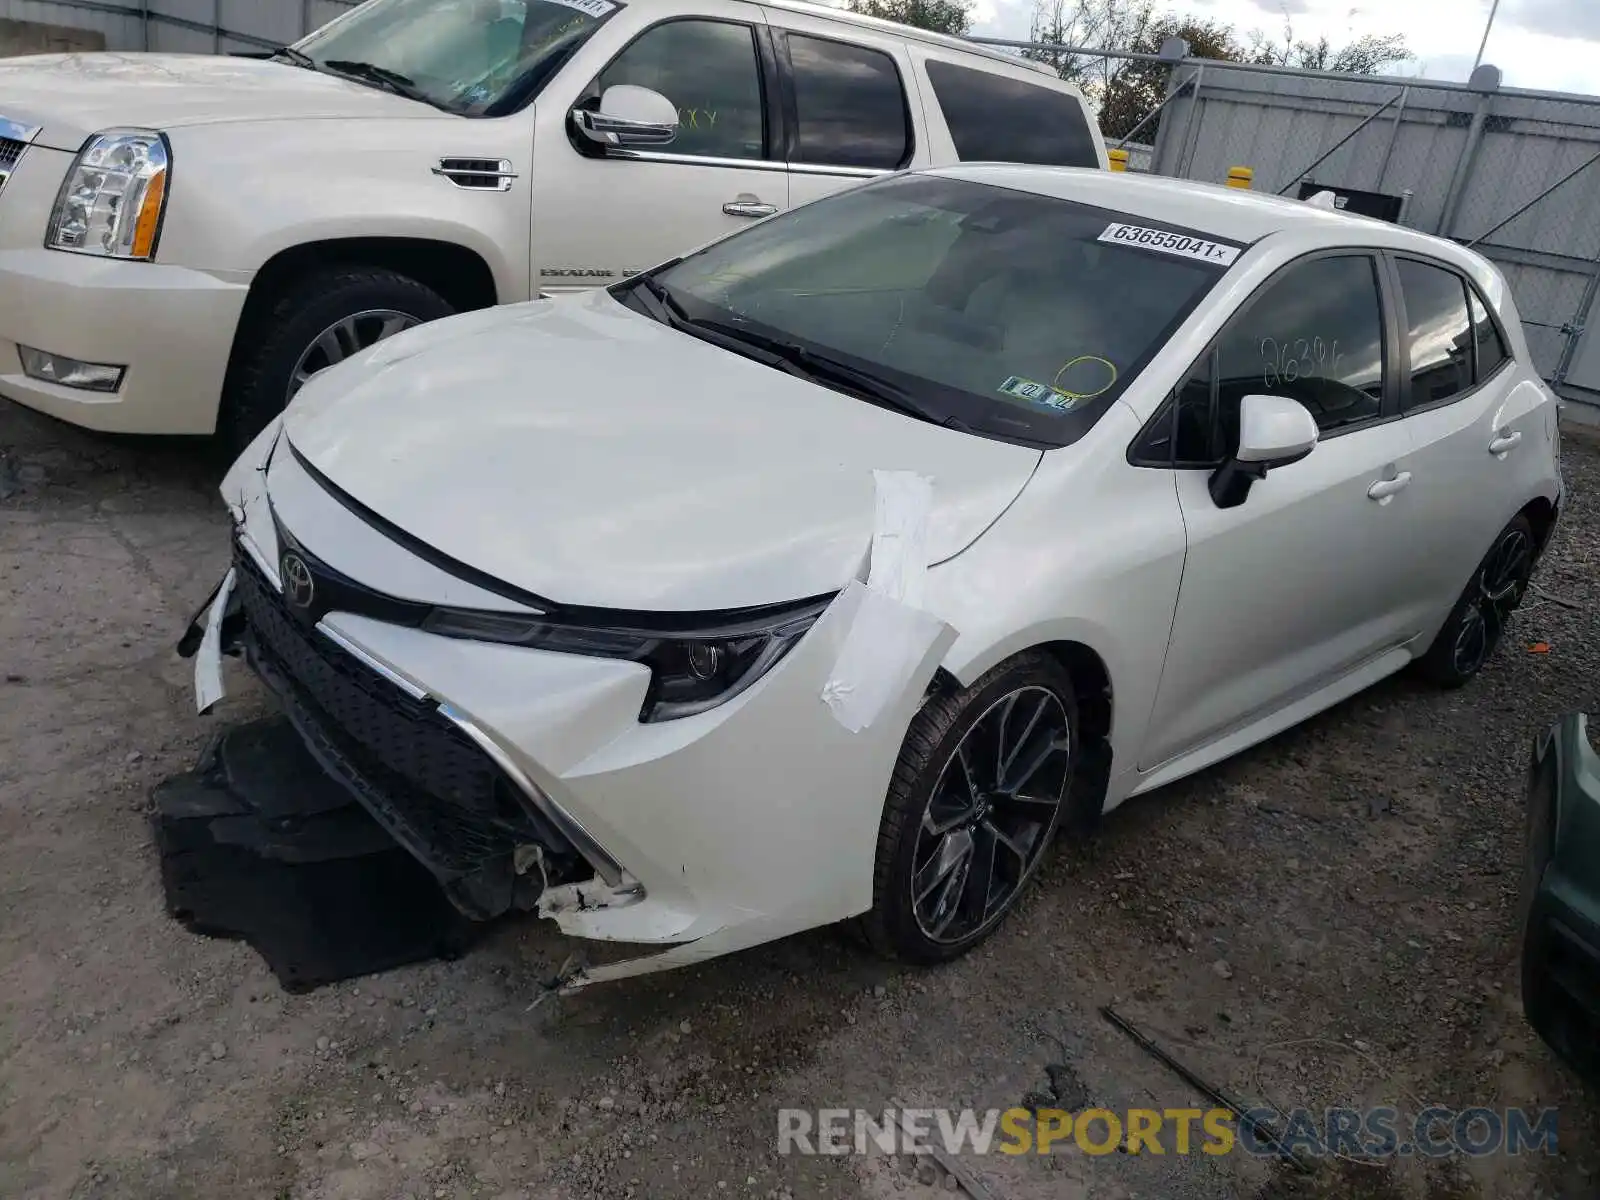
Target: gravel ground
{"points": [[1324, 920]]}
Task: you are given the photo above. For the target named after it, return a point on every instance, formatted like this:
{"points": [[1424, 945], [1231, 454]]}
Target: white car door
{"points": [[1474, 424], [1292, 588], [857, 108], [600, 214]]}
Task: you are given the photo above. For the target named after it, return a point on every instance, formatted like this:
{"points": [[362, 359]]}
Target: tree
{"points": [[939, 16], [1136, 88], [1125, 92], [1367, 55], [1114, 24]]}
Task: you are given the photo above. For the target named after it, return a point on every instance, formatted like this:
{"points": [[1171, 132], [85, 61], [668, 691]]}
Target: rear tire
{"points": [[1478, 621], [314, 321], [975, 799]]}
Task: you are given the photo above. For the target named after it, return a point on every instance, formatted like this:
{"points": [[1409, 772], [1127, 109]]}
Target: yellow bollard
{"points": [[1119, 159], [1240, 177]]}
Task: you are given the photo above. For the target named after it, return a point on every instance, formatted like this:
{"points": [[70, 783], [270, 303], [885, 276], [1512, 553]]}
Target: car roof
{"points": [[1230, 214], [913, 34]]}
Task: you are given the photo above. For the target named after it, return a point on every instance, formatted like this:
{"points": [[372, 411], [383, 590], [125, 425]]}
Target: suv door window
{"points": [[1441, 335], [849, 105], [995, 118], [709, 70], [1314, 334]]}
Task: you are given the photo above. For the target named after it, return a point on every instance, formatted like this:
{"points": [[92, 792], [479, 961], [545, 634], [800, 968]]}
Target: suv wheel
{"points": [[976, 796], [317, 321]]}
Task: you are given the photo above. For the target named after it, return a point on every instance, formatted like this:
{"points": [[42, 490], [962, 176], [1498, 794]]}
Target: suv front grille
{"points": [[11, 152], [423, 779]]}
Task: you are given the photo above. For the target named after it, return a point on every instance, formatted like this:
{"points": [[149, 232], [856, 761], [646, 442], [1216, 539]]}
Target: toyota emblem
{"points": [[298, 587]]}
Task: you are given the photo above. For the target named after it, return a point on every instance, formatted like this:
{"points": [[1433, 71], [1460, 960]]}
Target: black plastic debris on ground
{"points": [[259, 844]]}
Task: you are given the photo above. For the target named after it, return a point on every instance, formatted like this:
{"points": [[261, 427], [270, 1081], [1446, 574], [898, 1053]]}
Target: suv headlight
{"points": [[691, 670], [114, 197]]}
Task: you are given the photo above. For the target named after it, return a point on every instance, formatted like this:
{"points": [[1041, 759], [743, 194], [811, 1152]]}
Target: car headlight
{"points": [[691, 670], [114, 197]]}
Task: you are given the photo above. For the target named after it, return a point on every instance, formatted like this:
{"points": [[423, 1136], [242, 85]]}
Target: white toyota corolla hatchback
{"points": [[826, 571]]}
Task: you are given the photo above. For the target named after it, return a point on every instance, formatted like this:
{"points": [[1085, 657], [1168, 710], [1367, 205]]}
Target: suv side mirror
{"points": [[629, 116], [1274, 431]]}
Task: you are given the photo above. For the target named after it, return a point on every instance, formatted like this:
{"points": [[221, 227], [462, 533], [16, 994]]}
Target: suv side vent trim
{"points": [[477, 174]]}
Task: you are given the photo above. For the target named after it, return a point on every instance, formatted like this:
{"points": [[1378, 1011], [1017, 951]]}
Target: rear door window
{"points": [[996, 118], [1492, 352], [850, 106], [1441, 335]]}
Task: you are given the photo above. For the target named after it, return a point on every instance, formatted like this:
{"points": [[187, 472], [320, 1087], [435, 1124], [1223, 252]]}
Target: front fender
{"points": [[242, 194]]}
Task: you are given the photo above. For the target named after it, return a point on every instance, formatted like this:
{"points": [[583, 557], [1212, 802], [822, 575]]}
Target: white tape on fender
{"points": [[890, 634], [208, 687], [899, 566]]}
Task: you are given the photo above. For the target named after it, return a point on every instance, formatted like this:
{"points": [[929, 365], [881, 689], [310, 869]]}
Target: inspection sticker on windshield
{"points": [[1217, 253], [595, 8], [1041, 394]]}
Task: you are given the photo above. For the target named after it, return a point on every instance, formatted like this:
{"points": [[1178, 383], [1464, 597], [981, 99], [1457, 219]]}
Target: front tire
{"points": [[975, 799], [1477, 622], [315, 322]]}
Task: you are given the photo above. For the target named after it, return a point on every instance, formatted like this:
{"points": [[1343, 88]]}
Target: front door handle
{"points": [[1384, 490], [1503, 444], [747, 205]]}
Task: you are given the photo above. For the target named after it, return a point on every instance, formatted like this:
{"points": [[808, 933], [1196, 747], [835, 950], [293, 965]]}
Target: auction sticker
{"points": [[595, 8], [1181, 244]]}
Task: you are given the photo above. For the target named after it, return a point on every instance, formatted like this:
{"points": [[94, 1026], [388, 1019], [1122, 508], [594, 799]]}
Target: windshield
{"points": [[1011, 314], [474, 57]]}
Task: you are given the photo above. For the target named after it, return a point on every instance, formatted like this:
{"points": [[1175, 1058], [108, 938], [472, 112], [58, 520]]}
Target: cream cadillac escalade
{"points": [[186, 239]]}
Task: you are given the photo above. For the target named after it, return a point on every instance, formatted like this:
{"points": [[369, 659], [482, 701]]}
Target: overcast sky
{"points": [[1548, 44]]}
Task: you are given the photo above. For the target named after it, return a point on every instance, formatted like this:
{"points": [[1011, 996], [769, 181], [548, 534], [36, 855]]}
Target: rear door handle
{"points": [[748, 206], [1505, 442], [1384, 490]]}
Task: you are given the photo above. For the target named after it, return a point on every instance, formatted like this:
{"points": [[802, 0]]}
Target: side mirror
{"points": [[1274, 431], [629, 116]]}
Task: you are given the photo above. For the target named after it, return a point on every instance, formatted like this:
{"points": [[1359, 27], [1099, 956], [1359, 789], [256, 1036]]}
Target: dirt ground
{"points": [[1325, 920]]}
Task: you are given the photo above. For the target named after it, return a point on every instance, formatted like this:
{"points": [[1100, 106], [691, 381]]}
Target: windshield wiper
{"points": [[394, 81], [791, 357], [298, 57], [825, 369]]}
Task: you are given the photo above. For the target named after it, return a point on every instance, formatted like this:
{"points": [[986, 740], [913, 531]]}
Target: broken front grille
{"points": [[423, 779]]}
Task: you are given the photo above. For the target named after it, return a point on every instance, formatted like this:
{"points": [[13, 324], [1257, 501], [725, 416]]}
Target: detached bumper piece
{"points": [[420, 776], [1561, 896], [258, 844]]}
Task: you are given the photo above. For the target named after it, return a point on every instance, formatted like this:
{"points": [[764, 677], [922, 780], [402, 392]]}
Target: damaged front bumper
{"points": [[523, 778], [1561, 895]]}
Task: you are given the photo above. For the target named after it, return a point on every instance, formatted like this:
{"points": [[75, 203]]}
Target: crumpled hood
{"points": [[72, 96], [587, 454]]}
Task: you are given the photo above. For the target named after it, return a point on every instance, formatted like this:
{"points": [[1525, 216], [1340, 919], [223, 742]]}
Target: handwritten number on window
{"points": [[1298, 358]]}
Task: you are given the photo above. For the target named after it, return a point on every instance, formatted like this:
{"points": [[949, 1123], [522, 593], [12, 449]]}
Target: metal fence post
{"points": [[144, 24], [1573, 329], [1486, 81], [1394, 137]]}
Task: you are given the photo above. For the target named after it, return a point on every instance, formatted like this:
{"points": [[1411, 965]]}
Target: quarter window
{"points": [[995, 118], [1314, 335], [1441, 333], [1491, 346], [708, 69], [849, 105]]}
